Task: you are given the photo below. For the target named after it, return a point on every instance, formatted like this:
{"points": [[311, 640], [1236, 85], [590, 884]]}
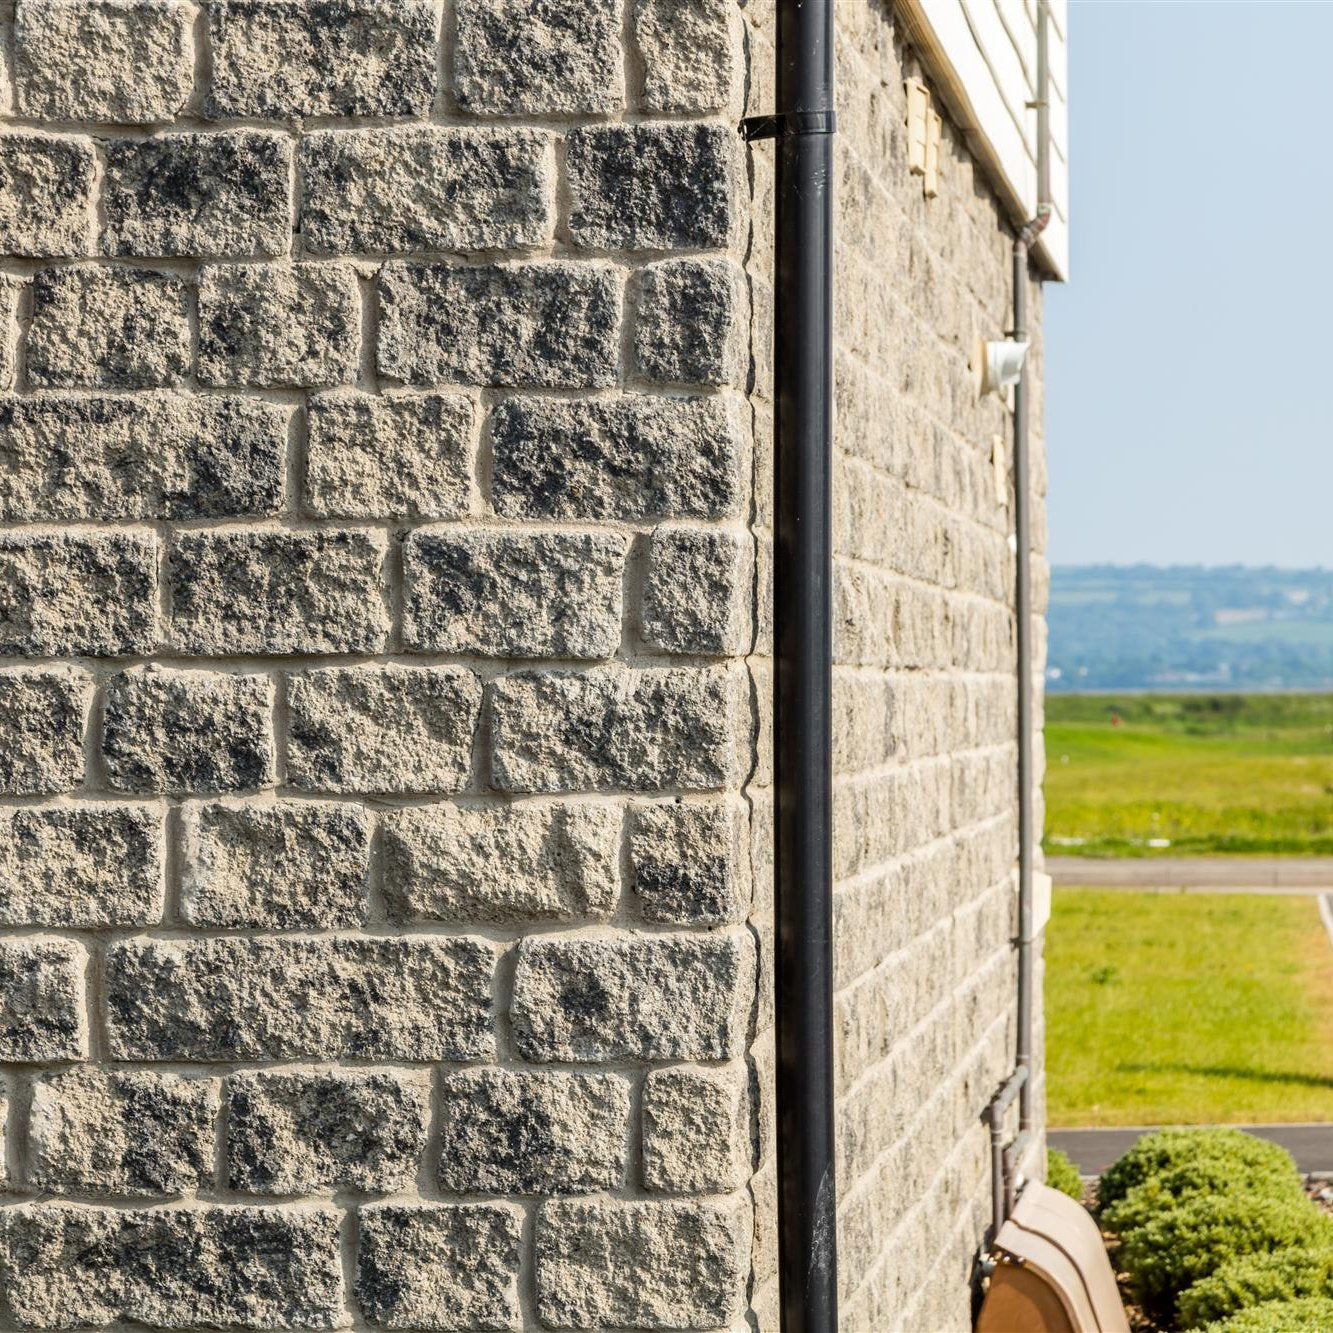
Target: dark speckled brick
{"points": [[227, 193]]}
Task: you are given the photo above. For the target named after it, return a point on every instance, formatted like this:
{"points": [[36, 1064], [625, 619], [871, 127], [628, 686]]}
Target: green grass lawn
{"points": [[1205, 775], [1187, 1008]]}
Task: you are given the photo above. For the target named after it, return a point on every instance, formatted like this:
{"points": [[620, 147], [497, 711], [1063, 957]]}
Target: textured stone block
{"points": [[41, 1001], [298, 58], [699, 590], [641, 1265], [513, 594], [691, 322], [439, 1266], [696, 1130], [290, 866], [67, 594], [182, 195], [426, 188], [10, 289], [144, 456], [514, 862], [641, 730], [125, 61], [627, 458], [46, 195], [266, 592], [80, 867], [692, 53], [384, 729], [529, 57], [276, 324], [108, 328], [43, 712], [661, 997], [532, 1133], [187, 731], [127, 1132], [690, 863], [302, 999], [70, 1266], [405, 456], [549, 325], [294, 1133], [653, 186]]}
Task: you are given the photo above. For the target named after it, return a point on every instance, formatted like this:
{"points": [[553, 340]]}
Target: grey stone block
{"points": [[696, 1130], [692, 53], [70, 1266], [661, 997], [384, 729], [699, 590], [628, 458], [187, 731], [513, 594], [690, 863], [615, 726], [297, 58], [10, 288], [608, 1264], [125, 61], [226, 193], [691, 322], [140, 457], [514, 862], [81, 867], [653, 186], [299, 1132], [46, 195], [300, 999], [390, 191], [41, 1001], [439, 1266], [67, 594], [405, 456], [532, 1133], [122, 1133], [279, 324], [532, 57], [251, 592], [43, 713], [547, 325], [289, 866], [108, 328]]}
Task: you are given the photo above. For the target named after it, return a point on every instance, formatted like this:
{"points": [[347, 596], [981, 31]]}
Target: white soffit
{"points": [[982, 56]]}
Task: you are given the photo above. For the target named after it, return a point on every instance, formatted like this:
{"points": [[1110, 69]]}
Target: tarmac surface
{"points": [[1093, 1150], [1257, 874]]}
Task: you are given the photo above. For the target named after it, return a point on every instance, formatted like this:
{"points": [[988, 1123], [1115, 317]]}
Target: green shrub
{"points": [[1314, 1314], [1177, 1246], [1062, 1174], [1283, 1275], [1202, 1156], [1209, 1177]]}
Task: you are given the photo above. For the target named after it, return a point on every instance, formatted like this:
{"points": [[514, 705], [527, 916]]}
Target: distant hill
{"points": [[1190, 627]]}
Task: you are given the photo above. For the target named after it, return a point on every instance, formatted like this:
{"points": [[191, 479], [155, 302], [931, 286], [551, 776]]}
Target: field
{"points": [[1176, 775], [1187, 1008]]}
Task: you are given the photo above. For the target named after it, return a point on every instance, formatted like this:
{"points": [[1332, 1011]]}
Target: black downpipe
{"points": [[803, 651]]}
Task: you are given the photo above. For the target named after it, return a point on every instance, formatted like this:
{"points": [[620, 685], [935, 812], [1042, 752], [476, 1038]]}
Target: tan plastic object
{"points": [[1053, 1275]]}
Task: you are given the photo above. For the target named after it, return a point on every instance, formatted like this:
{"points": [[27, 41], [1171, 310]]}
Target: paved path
{"points": [[1093, 1150], [1247, 874]]}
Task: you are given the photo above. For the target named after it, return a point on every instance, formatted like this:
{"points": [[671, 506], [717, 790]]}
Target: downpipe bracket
{"points": [[756, 128]]}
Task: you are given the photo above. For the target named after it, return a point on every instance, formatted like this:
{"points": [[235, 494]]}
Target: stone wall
{"points": [[926, 787], [385, 787], [376, 580]]}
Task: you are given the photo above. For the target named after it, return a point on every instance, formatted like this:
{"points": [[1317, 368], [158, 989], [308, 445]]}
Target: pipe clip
{"points": [[754, 128]]}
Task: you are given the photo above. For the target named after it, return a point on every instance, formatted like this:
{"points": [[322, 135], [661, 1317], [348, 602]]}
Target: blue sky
{"points": [[1190, 359]]}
